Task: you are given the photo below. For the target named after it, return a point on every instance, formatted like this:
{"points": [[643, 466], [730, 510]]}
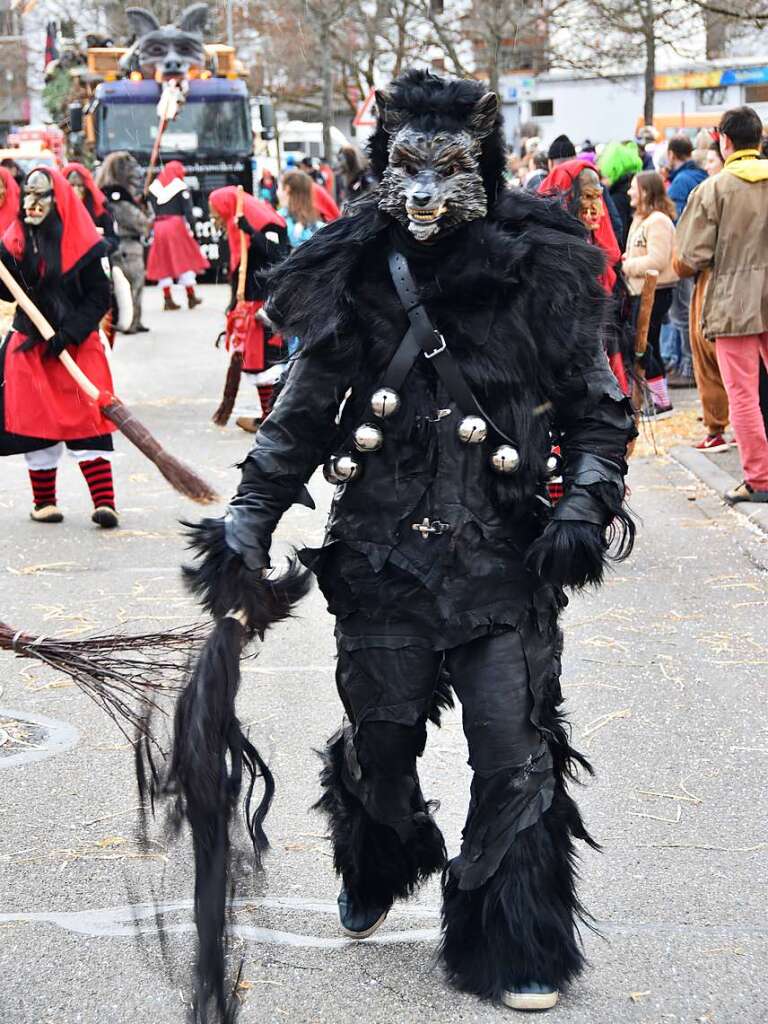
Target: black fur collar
{"points": [[528, 244]]}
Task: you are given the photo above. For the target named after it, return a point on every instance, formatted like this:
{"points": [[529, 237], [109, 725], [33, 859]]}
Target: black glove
{"points": [[245, 225], [569, 554], [54, 346]]}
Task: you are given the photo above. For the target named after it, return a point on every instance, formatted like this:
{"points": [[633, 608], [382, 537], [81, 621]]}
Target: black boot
{"points": [[358, 921]]}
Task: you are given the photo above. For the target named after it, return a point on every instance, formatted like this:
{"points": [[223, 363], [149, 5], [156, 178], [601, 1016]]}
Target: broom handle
{"points": [[46, 331], [242, 269], [644, 312]]}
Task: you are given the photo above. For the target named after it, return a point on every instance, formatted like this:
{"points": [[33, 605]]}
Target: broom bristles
{"points": [[180, 476], [125, 676], [231, 388]]}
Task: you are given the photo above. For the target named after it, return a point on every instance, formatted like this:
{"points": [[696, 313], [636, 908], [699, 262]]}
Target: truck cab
{"points": [[211, 135]]}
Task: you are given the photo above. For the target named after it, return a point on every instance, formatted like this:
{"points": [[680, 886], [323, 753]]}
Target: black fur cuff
{"points": [[223, 583]]}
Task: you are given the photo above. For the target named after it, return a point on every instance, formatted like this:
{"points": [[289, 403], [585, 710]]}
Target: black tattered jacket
{"points": [[516, 298]]}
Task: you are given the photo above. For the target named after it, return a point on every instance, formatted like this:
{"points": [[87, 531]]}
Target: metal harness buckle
{"points": [[436, 351], [425, 528]]}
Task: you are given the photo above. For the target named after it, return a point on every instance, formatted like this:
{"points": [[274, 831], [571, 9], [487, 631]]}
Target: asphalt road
{"points": [[664, 675]]}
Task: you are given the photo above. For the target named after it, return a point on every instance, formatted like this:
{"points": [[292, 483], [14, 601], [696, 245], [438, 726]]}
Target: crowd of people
{"points": [[693, 210]]}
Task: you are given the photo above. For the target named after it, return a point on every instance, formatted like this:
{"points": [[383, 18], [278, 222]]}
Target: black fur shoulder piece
{"points": [[427, 101]]}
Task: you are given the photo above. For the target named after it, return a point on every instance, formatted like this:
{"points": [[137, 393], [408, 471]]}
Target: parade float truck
{"points": [[210, 132]]}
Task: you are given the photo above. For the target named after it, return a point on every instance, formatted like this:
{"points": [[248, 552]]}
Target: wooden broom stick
{"points": [[181, 477], [641, 334]]}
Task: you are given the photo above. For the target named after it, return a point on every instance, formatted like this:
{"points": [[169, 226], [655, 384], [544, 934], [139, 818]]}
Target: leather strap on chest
{"points": [[423, 338]]}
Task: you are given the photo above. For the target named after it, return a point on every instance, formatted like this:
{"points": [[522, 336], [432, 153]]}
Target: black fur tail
{"points": [[207, 734], [211, 756], [520, 925], [377, 867]]}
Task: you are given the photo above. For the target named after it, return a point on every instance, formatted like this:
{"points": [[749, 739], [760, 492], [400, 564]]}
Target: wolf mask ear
{"points": [[142, 22], [194, 19], [391, 120], [482, 120]]}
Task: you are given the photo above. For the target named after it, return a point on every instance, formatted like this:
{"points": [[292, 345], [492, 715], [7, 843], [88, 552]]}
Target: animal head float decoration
{"points": [[167, 51], [438, 150]]}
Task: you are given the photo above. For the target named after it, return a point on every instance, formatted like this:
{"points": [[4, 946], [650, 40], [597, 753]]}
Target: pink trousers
{"points": [[739, 362]]}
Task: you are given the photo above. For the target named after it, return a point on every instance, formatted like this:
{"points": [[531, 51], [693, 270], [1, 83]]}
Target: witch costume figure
{"points": [[449, 333], [266, 243], [54, 250], [174, 254]]}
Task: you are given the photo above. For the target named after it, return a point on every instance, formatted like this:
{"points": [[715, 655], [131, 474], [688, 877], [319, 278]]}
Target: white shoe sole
{"points": [[715, 451], [369, 931], [530, 1000]]}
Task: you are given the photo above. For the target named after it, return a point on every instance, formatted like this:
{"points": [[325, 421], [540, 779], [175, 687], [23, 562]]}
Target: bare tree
{"points": [[609, 37]]}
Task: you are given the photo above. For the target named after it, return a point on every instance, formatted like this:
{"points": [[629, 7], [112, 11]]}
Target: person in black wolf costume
{"points": [[456, 326]]}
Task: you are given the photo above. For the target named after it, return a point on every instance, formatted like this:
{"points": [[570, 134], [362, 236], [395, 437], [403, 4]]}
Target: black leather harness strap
{"points": [[424, 338]]}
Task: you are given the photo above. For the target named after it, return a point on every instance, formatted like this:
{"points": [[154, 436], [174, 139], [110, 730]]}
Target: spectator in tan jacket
{"points": [[709, 382], [725, 227], [650, 246]]}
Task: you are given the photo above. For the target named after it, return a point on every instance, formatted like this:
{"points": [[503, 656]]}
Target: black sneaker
{"points": [[359, 922]]}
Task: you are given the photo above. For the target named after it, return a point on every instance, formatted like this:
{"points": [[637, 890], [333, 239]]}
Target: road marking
{"points": [[61, 736]]}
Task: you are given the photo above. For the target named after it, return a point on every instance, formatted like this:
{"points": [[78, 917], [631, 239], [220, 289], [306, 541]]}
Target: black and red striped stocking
{"points": [[98, 476], [43, 486]]}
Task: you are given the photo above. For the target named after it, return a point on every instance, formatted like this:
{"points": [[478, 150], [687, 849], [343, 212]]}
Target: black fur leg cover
{"points": [[376, 865], [521, 924]]}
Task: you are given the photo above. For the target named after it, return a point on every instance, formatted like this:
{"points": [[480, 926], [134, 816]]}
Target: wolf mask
{"points": [[169, 50], [434, 133]]}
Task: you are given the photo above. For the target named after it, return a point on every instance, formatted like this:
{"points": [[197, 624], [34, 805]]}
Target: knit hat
{"points": [[561, 148]]}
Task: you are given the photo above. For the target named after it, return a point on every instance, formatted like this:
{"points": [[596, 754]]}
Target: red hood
{"points": [[9, 211], [560, 181], [173, 169], [79, 235], [324, 203], [98, 197], [256, 212]]}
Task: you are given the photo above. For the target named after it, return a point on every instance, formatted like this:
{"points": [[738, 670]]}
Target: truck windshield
{"points": [[212, 126]]}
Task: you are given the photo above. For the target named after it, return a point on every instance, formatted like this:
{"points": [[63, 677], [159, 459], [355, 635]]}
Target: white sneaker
{"points": [[530, 996]]}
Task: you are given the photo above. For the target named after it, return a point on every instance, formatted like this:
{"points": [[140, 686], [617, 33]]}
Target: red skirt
{"points": [[42, 400], [174, 251]]}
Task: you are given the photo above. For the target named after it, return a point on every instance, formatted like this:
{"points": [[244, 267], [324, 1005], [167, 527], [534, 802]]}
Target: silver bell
{"points": [[385, 402], [505, 459], [368, 438], [341, 468], [473, 430], [554, 466]]}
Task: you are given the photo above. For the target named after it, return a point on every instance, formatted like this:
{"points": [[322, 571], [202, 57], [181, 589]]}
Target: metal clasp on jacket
{"points": [[440, 348], [425, 528]]}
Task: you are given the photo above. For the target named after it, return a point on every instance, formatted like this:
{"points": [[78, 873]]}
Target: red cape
{"points": [[9, 211], [79, 235], [256, 212], [560, 181], [173, 169], [98, 197], [324, 203]]}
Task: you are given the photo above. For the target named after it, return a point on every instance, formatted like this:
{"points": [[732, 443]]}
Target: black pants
{"points": [[509, 902]]}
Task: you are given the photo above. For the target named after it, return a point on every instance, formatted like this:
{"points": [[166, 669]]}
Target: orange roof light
{"points": [[206, 74], [136, 76]]}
